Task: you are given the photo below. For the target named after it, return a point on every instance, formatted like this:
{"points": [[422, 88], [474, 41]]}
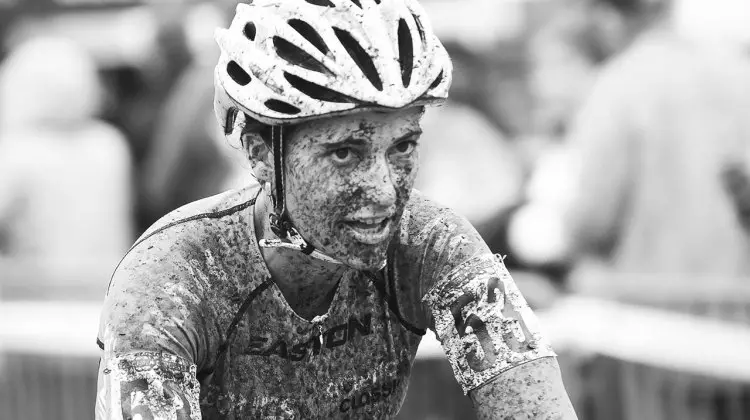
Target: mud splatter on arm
{"points": [[156, 332], [531, 391], [492, 339]]}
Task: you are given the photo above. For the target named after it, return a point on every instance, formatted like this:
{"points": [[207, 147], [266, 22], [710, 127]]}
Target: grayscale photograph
{"points": [[375, 209]]}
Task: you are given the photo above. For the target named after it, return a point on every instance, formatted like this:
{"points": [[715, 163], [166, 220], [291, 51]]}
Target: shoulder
{"points": [[656, 61], [190, 258], [216, 226], [218, 208], [436, 238], [425, 218], [432, 241]]}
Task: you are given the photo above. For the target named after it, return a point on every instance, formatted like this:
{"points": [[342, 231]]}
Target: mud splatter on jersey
{"points": [[195, 294]]}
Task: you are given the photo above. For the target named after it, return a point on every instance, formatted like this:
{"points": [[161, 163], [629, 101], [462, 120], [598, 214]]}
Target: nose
{"points": [[380, 188]]}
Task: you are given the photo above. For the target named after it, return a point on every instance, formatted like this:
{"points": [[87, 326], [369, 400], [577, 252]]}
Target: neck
{"points": [[308, 284]]}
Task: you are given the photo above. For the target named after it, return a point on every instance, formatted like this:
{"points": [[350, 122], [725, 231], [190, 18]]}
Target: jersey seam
{"points": [[392, 292], [218, 214]]}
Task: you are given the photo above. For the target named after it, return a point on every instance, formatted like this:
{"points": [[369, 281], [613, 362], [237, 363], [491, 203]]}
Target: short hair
{"points": [[251, 125]]}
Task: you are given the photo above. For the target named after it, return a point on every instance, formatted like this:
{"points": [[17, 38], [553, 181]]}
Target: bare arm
{"points": [[531, 391], [603, 151], [495, 344]]}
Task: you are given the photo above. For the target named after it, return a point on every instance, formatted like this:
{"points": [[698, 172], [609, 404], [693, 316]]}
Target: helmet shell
{"points": [[284, 62]]}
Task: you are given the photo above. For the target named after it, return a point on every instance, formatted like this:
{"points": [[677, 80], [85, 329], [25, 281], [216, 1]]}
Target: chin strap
{"points": [[279, 219], [298, 244]]}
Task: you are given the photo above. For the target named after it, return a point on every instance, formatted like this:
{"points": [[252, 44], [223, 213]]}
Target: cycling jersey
{"points": [[193, 323]]}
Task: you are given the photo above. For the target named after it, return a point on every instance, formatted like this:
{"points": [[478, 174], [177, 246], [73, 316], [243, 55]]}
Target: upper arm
{"points": [[495, 344], [156, 333], [531, 391], [483, 322], [601, 150], [9, 187]]}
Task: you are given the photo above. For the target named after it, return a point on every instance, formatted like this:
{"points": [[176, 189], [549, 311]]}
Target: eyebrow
{"points": [[354, 141], [348, 141], [411, 133]]}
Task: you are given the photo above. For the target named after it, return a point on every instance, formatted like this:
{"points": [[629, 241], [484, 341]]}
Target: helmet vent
{"points": [[406, 52], [357, 3], [310, 34], [420, 28], [237, 74], [326, 3], [249, 31], [297, 56], [316, 91], [360, 56], [282, 107], [437, 81]]}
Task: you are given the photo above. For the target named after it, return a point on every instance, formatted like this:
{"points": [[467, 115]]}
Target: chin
{"points": [[366, 263]]}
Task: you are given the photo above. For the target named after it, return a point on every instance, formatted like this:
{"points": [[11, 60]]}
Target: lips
{"points": [[371, 231]]}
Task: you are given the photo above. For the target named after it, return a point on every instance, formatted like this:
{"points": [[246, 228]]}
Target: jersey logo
{"points": [[268, 407], [333, 337], [483, 322], [371, 395]]}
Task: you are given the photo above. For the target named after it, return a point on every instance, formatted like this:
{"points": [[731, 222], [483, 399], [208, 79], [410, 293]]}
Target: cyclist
{"points": [[307, 296]]}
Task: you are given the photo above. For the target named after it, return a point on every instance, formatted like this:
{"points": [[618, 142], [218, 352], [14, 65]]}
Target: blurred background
{"points": [[603, 146]]}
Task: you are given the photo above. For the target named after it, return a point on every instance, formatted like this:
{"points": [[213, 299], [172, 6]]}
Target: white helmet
{"points": [[288, 61]]}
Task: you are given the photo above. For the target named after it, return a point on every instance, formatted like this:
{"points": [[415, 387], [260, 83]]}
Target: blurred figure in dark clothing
{"points": [[638, 185], [189, 157]]}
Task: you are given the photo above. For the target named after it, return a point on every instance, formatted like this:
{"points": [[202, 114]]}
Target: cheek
{"points": [[317, 192], [405, 174]]}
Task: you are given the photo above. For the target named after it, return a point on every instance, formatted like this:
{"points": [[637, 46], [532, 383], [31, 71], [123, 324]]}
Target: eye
{"points": [[343, 155], [405, 147]]}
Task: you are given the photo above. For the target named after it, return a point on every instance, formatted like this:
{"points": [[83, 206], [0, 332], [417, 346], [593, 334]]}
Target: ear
{"points": [[259, 156]]}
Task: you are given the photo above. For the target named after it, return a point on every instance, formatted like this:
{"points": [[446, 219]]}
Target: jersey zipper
{"points": [[318, 322]]}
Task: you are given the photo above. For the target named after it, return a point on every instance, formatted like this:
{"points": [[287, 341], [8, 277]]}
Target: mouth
{"points": [[371, 231]]}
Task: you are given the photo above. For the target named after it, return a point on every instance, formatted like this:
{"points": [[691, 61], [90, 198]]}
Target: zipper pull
{"points": [[318, 322]]}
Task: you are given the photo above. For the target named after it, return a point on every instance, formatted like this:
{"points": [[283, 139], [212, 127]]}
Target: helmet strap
{"points": [[280, 223], [279, 219]]}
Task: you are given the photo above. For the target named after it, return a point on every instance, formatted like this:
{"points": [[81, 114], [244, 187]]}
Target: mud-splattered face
{"points": [[348, 180]]}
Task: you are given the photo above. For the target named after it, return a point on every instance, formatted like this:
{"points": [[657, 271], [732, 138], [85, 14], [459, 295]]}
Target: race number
{"points": [[484, 323], [151, 385]]}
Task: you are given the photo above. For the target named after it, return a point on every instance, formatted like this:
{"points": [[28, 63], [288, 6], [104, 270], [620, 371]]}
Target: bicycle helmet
{"points": [[288, 61]]}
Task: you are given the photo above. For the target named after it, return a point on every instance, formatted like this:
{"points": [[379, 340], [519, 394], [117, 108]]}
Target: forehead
{"points": [[368, 126]]}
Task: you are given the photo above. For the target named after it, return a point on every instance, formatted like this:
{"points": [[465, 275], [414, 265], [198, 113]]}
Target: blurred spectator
{"points": [[189, 157], [649, 185], [470, 166], [640, 184], [564, 55], [568, 50], [478, 82], [64, 175], [467, 158]]}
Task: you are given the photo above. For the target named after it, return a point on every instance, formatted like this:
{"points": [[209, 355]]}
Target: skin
{"points": [[533, 390], [339, 171], [364, 166]]}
